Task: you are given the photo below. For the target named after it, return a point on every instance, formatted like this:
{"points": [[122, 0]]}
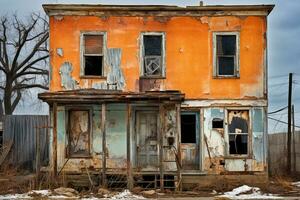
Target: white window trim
{"points": [[142, 53], [82, 63], [237, 57]]}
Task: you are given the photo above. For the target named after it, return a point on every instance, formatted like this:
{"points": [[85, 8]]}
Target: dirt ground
{"points": [[12, 183]]}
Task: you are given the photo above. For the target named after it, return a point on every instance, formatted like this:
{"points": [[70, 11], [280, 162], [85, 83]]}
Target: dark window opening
{"points": [[93, 66], [78, 133], [238, 131], [152, 55], [217, 123], [188, 128], [238, 144], [93, 55], [226, 54]]}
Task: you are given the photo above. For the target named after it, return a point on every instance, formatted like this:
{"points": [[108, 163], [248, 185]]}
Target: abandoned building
{"points": [[158, 96]]}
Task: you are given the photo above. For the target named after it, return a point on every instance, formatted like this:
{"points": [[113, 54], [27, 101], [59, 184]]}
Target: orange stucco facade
{"points": [[188, 54]]}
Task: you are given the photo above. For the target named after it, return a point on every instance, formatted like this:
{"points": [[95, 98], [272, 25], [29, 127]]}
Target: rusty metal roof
{"points": [[96, 95]]}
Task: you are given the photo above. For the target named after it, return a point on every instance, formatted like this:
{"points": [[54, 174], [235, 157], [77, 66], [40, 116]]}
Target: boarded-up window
{"points": [[153, 55], [93, 55], [238, 131], [79, 133], [226, 55]]}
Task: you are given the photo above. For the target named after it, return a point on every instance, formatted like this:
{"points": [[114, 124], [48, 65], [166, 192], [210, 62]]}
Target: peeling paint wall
{"points": [[183, 68], [216, 143]]}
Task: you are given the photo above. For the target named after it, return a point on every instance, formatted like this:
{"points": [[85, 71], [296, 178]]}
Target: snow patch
{"points": [[126, 195], [247, 192], [297, 184]]}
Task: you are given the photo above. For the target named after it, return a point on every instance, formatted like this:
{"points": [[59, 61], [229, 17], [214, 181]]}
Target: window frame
{"points": [[249, 144], [90, 130], [82, 53], [237, 55], [163, 54]]}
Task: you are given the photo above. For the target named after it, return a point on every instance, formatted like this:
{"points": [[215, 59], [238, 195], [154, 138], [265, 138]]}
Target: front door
{"points": [[147, 140], [190, 140]]}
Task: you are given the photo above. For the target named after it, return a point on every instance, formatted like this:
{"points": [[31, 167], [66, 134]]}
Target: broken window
{"points": [[79, 133], [153, 52], [93, 55], [238, 131], [226, 54], [217, 123], [188, 128]]}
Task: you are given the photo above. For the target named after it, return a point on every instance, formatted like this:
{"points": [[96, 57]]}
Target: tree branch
{"points": [[16, 100], [25, 86], [28, 66]]}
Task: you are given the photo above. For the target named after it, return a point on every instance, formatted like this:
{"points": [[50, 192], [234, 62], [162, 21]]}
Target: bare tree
{"points": [[23, 57]]}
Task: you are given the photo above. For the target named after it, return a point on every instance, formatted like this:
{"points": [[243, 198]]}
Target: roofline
{"points": [[90, 9]]}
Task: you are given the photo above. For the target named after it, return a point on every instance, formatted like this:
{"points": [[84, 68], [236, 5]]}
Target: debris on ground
{"points": [[126, 195], [68, 192], [247, 192]]}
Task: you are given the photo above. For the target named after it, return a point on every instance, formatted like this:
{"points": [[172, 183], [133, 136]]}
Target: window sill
{"points": [[152, 77], [238, 157], [92, 77], [226, 77]]}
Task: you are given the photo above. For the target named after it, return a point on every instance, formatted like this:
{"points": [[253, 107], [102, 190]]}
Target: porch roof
{"points": [[100, 96]]}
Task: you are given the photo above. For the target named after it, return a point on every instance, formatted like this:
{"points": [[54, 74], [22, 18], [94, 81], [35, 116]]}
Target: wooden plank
{"points": [[104, 153], [54, 142], [6, 148], [129, 166]]}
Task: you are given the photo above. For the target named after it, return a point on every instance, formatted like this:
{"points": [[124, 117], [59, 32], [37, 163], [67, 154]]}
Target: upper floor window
{"points": [[153, 53], [92, 54], [226, 54]]}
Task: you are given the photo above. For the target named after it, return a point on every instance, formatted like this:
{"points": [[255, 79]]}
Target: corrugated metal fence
{"points": [[22, 130], [278, 153]]}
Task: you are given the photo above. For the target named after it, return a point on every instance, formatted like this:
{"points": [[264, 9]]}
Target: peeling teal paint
{"points": [[61, 125], [116, 131], [96, 126], [257, 135]]}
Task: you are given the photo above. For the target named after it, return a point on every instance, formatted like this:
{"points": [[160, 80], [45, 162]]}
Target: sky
{"points": [[283, 47]]}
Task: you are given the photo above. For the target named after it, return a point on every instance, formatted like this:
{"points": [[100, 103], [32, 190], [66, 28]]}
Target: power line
{"points": [[281, 121], [276, 111]]}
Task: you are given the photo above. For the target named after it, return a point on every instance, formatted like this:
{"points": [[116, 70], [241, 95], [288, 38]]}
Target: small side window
{"points": [[153, 53], [217, 123], [93, 56], [226, 55]]}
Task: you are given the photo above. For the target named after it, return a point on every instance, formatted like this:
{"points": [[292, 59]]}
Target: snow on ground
{"points": [[297, 184], [125, 195], [247, 192]]}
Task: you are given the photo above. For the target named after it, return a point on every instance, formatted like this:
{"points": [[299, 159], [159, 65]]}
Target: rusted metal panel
{"points": [[93, 44]]}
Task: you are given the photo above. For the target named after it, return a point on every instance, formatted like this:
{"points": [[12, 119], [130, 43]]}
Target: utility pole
{"points": [[294, 146], [289, 160]]}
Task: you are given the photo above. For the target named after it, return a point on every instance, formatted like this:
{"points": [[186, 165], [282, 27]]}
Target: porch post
{"points": [[129, 166], [104, 153], [161, 133], [54, 142]]}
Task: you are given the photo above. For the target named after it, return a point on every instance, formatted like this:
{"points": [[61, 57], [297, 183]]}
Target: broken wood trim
{"points": [[179, 165], [104, 149], [54, 142], [138, 10], [129, 165]]}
